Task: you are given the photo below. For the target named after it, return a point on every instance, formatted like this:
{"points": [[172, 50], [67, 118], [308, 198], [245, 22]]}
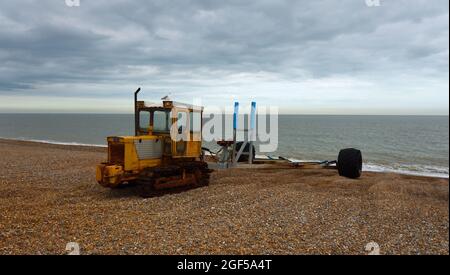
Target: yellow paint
{"points": [[126, 166], [109, 175]]}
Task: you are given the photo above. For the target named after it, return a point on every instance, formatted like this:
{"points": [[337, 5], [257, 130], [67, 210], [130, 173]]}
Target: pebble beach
{"points": [[49, 197]]}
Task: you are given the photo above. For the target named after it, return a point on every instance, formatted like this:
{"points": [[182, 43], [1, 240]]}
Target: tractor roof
{"points": [[169, 104]]}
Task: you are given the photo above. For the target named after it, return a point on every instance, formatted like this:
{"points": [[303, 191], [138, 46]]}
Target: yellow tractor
{"points": [[164, 153]]}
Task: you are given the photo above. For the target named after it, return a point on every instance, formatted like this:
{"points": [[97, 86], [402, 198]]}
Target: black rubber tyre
{"points": [[349, 163], [244, 158]]}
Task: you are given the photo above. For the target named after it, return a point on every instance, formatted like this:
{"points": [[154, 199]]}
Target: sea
{"points": [[416, 145]]}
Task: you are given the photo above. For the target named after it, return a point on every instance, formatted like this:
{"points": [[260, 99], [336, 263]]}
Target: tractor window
{"points": [[161, 121], [196, 122], [144, 120]]}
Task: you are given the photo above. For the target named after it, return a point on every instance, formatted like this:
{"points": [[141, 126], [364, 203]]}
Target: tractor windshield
{"points": [[144, 121], [161, 121]]}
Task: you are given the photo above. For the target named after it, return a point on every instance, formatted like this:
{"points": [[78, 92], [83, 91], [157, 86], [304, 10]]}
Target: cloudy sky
{"points": [[327, 57]]}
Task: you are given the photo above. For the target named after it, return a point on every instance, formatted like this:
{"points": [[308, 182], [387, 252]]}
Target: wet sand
{"points": [[49, 197]]}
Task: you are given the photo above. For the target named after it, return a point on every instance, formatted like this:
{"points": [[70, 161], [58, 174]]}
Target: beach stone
{"points": [[50, 198]]}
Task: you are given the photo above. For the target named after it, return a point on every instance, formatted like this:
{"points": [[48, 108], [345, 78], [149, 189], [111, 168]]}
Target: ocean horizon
{"points": [[406, 144]]}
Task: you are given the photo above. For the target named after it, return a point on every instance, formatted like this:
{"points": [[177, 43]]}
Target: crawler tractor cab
{"points": [[165, 152]]}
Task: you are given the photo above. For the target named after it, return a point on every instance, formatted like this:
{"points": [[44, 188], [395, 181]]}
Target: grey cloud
{"points": [[170, 43]]}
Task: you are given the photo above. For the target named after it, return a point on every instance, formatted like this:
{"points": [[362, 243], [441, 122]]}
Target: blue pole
{"points": [[235, 115], [253, 116], [252, 131], [235, 125]]}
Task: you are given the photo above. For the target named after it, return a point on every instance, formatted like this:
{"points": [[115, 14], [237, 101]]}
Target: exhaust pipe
{"points": [[136, 115]]}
